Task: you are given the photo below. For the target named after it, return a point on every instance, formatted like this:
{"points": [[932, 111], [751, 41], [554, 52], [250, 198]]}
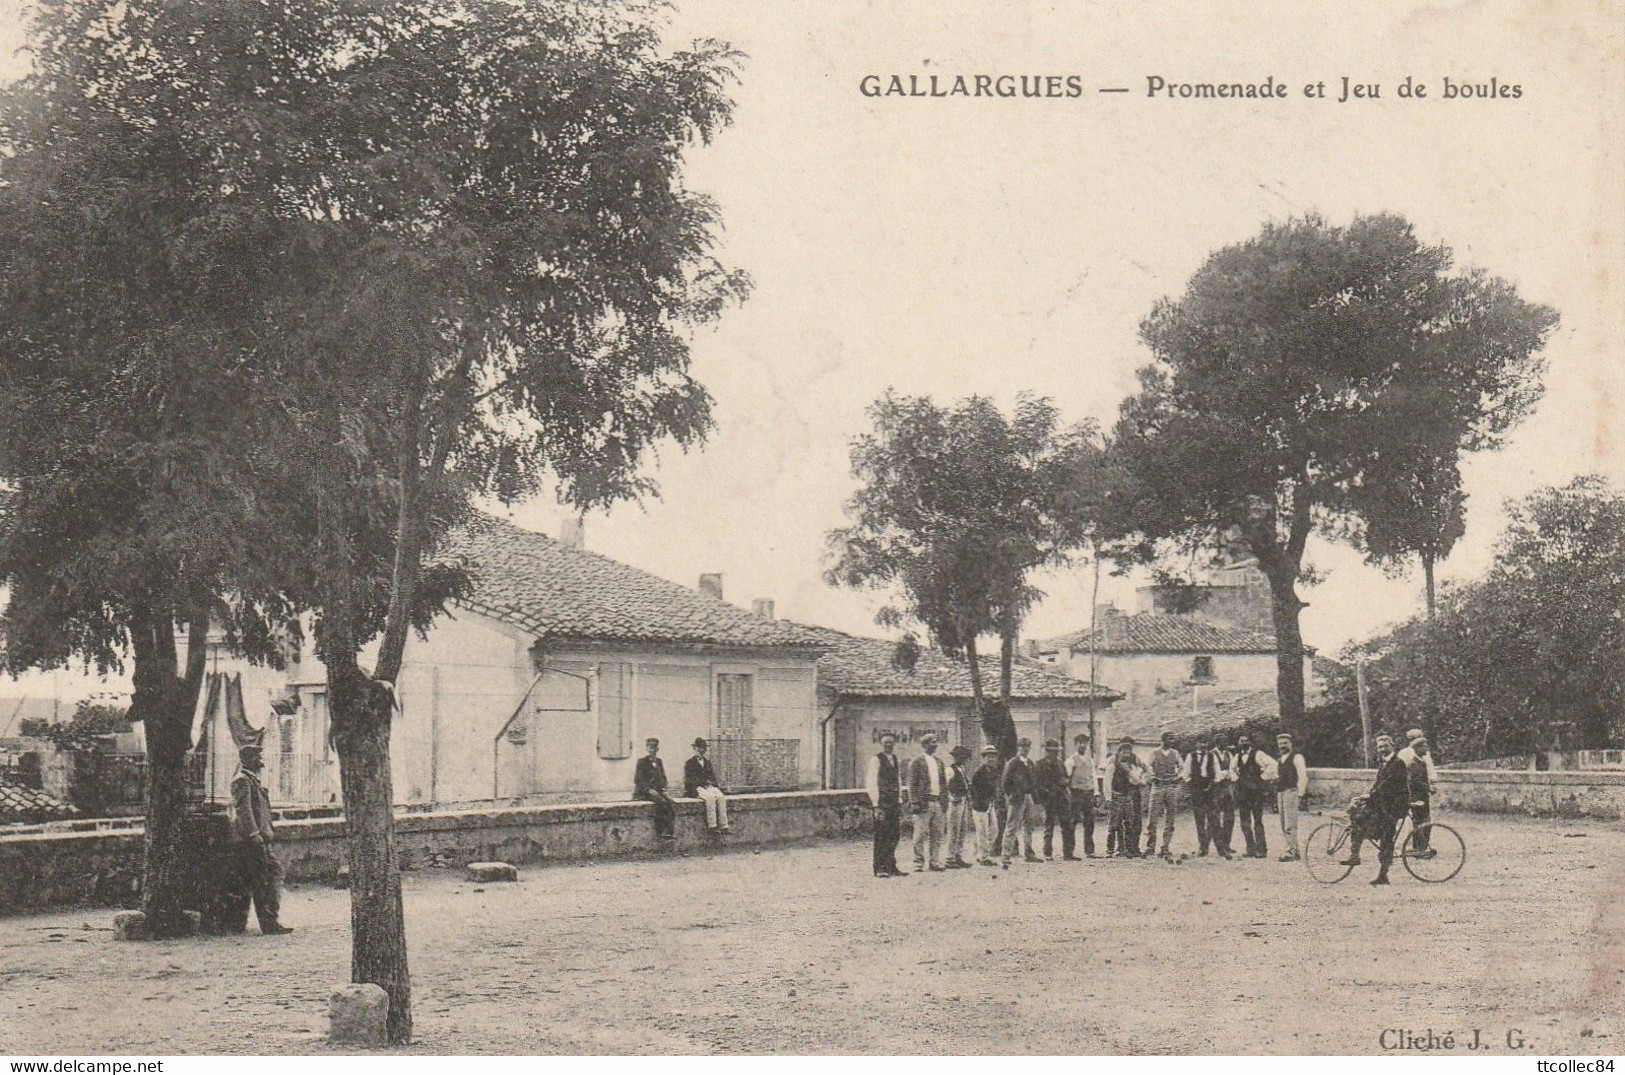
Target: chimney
{"points": [[712, 584], [1031, 648], [762, 608], [573, 532]]}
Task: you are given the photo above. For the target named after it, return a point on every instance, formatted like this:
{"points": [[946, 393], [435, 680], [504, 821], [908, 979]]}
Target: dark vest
{"points": [[1120, 781], [1288, 778], [890, 791], [1249, 774], [1201, 779]]}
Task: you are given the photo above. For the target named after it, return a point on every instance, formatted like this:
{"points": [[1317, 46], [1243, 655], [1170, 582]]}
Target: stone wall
{"points": [[1599, 794], [59, 869]]}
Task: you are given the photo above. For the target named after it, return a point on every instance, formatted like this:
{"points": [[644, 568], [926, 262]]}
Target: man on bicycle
{"points": [[1386, 806]]}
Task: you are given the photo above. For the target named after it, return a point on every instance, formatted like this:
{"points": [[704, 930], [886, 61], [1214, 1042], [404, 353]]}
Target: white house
{"points": [[545, 682]]}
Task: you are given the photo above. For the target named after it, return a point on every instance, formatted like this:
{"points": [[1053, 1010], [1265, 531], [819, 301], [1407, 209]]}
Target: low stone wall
{"points": [[57, 869], [1597, 793]]}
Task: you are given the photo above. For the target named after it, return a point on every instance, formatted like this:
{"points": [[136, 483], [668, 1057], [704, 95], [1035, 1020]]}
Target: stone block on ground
{"points": [[130, 926], [342, 878], [492, 871], [358, 1015]]}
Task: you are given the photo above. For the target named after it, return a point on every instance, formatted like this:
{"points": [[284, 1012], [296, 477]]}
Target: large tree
{"points": [[956, 506], [1531, 656], [1283, 375], [136, 509], [455, 256], [488, 268]]}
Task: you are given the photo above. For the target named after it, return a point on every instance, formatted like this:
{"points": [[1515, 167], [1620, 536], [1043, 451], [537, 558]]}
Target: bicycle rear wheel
{"points": [[1324, 851], [1434, 853]]}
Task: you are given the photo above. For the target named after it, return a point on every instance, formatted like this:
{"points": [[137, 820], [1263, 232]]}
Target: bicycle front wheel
{"points": [[1325, 850], [1435, 852]]}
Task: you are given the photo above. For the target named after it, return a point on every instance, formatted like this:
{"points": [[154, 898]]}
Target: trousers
{"points": [[1083, 813], [1421, 814], [1019, 821], [1250, 806], [1124, 823], [1164, 804], [958, 828], [1059, 813], [260, 875], [665, 813], [987, 833], [1214, 814], [716, 807], [1289, 821], [888, 830], [929, 825]]}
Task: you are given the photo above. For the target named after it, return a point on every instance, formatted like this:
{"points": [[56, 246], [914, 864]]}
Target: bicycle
{"points": [[1439, 856]]}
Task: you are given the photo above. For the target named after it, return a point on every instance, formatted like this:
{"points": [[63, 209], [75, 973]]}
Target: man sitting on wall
{"points": [[649, 784], [700, 782]]}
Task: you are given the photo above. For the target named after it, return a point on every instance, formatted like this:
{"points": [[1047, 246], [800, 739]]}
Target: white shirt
{"points": [[871, 782], [1080, 772], [933, 766]]}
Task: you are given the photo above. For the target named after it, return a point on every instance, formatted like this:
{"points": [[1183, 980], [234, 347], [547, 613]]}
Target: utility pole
{"points": [[1365, 710]]}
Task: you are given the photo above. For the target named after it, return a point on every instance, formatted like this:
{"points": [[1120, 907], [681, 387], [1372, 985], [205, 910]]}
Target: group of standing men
{"points": [[998, 804], [1224, 783]]}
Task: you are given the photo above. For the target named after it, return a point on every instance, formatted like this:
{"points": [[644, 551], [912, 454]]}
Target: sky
{"points": [[950, 246]]}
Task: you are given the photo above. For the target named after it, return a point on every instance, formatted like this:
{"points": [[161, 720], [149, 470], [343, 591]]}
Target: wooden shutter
{"points": [[614, 710], [735, 712]]}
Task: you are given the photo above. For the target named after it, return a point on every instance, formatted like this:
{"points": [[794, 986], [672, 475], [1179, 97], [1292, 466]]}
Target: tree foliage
{"points": [[1289, 383], [445, 250], [136, 504], [956, 506], [1529, 658]]}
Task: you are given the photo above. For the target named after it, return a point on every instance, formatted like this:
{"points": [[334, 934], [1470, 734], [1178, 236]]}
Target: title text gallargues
{"points": [[1037, 86]]}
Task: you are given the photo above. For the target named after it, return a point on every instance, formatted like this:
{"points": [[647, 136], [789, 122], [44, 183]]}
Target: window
{"points": [[735, 709], [614, 710], [1202, 668]]}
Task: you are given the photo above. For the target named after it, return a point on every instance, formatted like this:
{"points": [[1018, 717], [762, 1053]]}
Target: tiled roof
{"points": [[20, 804], [864, 666], [560, 591], [1147, 632], [1189, 711]]}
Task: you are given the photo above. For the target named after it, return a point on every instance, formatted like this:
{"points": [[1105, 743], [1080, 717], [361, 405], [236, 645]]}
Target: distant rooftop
{"points": [[863, 666], [1148, 632], [1190, 711]]}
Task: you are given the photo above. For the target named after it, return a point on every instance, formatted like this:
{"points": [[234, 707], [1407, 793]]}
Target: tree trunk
{"points": [[975, 666], [362, 712], [164, 703], [1007, 657], [1285, 607], [166, 870], [1095, 742], [1427, 575]]}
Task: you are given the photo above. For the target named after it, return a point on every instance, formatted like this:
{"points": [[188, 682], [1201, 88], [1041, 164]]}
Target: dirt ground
{"points": [[800, 950]]}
